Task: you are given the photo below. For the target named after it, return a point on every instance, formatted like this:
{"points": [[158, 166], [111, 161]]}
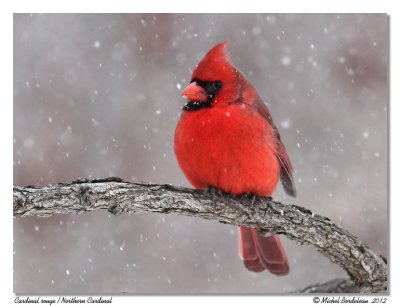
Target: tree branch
{"points": [[337, 285], [367, 270]]}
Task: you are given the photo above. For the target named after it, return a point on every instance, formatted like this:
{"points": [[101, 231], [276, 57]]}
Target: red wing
{"points": [[286, 171], [286, 166]]}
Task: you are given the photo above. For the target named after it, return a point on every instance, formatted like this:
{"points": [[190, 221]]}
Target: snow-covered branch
{"points": [[366, 269], [337, 285]]}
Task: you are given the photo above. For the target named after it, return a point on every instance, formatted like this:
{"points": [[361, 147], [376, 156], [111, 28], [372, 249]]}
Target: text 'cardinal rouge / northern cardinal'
{"points": [[226, 139]]}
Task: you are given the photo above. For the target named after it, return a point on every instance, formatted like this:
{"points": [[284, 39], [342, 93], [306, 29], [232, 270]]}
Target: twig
{"points": [[337, 285]]}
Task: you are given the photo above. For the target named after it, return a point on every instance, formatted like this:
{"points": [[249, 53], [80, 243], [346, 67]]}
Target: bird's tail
{"points": [[260, 252]]}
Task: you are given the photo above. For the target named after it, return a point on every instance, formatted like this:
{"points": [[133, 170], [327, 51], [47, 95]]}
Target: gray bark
{"points": [[337, 285], [367, 270]]}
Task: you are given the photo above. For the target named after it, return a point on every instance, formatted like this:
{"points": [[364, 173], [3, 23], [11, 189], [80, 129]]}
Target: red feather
{"points": [[231, 143]]}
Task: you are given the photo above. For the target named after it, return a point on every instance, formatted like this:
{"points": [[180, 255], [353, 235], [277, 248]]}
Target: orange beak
{"points": [[194, 92]]}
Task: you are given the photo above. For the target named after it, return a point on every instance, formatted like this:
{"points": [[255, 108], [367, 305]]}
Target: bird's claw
{"points": [[213, 191]]}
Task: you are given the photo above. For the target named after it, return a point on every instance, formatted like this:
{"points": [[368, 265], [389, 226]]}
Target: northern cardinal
{"points": [[226, 139]]}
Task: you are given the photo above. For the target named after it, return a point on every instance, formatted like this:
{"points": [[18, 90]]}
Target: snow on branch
{"points": [[367, 270]]}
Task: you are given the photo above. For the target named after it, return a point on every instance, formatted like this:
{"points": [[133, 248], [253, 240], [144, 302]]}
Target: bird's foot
{"points": [[213, 191], [250, 197], [254, 198]]}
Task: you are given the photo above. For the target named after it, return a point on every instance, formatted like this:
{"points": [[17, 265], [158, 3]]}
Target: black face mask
{"points": [[211, 88]]}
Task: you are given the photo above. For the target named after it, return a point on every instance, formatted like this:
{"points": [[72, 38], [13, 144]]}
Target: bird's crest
{"points": [[215, 65]]}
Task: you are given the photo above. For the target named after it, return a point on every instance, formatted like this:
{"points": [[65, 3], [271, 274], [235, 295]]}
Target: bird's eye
{"points": [[217, 84]]}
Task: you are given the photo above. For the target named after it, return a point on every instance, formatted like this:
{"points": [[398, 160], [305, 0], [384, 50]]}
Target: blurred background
{"points": [[99, 95]]}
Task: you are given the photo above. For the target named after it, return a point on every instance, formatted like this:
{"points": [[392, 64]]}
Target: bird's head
{"points": [[215, 81]]}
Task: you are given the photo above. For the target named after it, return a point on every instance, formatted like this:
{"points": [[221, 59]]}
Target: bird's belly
{"points": [[228, 154]]}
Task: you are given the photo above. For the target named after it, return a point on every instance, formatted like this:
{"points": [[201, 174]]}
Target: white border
{"points": [[303, 6]]}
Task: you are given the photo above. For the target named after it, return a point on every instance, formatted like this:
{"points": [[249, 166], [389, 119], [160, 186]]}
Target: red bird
{"points": [[226, 139]]}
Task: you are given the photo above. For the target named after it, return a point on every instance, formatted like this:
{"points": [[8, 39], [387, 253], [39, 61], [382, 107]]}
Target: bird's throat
{"points": [[196, 105]]}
